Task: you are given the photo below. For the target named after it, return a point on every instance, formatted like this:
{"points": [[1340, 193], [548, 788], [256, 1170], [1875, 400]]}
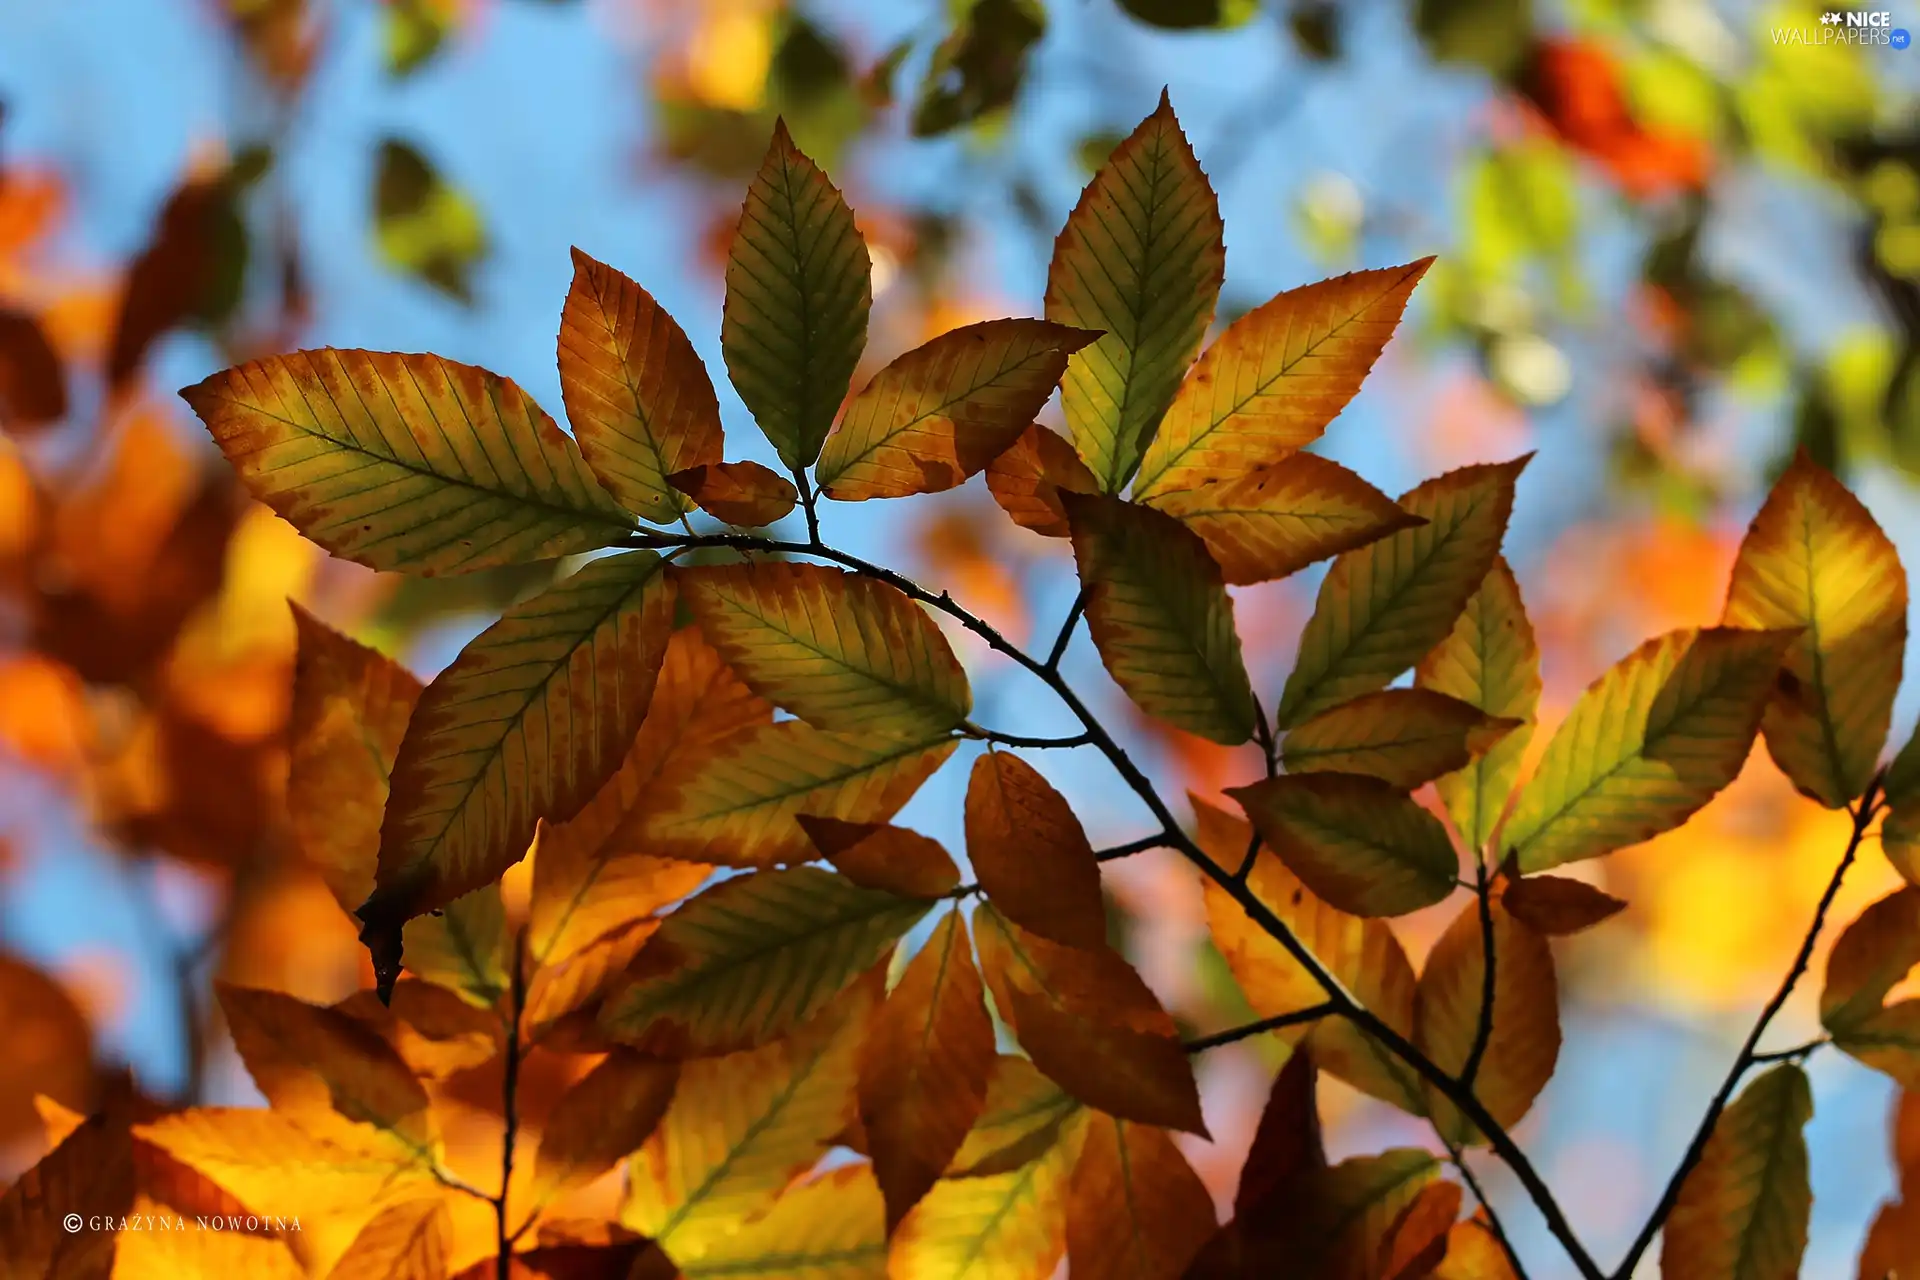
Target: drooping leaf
{"points": [[464, 948], [841, 651], [1031, 854], [799, 287], [601, 1119], [425, 226], [1007, 1225], [830, 1227], [1359, 843], [1382, 606], [946, 409], [1136, 1210], [752, 958], [1404, 737], [1271, 383], [1161, 618], [1024, 1114], [1028, 478], [877, 856], [1525, 1042], [1558, 905], [1141, 259], [527, 723], [406, 462], [1870, 959], [1814, 559], [739, 493], [410, 1240], [640, 401], [1742, 1213], [924, 1068], [1647, 745]]}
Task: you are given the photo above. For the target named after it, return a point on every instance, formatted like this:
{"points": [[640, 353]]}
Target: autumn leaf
{"points": [[563, 996], [277, 1167], [601, 1119], [1900, 841], [1024, 1114], [1404, 737], [90, 1172], [410, 1240], [464, 948], [1418, 1240], [946, 409], [1136, 1210], [1140, 259], [33, 386], [1872, 956], [1646, 745], [1815, 561], [1902, 785], [1360, 844], [1491, 661], [1474, 1253], [799, 287], [1742, 1212], [1336, 1221], [407, 462], [1007, 1225], [1029, 477], [1031, 854], [877, 856], [829, 1227], [638, 397], [1556, 905], [1161, 618], [738, 493], [1384, 605], [435, 1031], [839, 650], [1271, 383]]}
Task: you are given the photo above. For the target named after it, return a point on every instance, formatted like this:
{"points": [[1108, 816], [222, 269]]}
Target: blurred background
{"points": [[1677, 238]]}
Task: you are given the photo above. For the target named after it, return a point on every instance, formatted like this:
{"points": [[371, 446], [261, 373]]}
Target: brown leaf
{"points": [[602, 1119], [1556, 905], [1027, 478], [1474, 1253], [739, 493], [1286, 1144], [1031, 854], [1418, 1240], [572, 1262], [33, 387], [49, 1047], [90, 1173], [189, 269], [876, 855], [1136, 1210]]}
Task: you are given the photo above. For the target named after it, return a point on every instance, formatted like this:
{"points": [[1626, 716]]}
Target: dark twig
{"points": [[1799, 1052], [807, 504], [1234, 1035], [973, 730], [1158, 840], [1482, 1033], [1458, 1158], [510, 1107], [1061, 641]]}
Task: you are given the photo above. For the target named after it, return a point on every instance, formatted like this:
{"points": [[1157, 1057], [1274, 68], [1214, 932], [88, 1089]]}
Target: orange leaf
{"points": [[566, 992], [276, 1167], [1870, 959], [875, 855], [1743, 1209], [1474, 1253], [91, 1172], [1136, 1210], [33, 388], [1419, 1239], [435, 1032], [1030, 853], [1027, 479], [1556, 905], [405, 1241], [739, 493], [603, 1118]]}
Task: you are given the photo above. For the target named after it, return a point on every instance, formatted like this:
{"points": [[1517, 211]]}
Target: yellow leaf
{"points": [[435, 1032], [638, 397], [1405, 737], [602, 1118], [276, 1167], [407, 461], [877, 856], [1814, 559], [179, 1247], [841, 651], [464, 948], [1359, 843], [1136, 1210], [1023, 1115], [1030, 853], [1870, 959], [405, 1241], [738, 493], [566, 992], [827, 1228], [1474, 1253], [1029, 477], [1742, 1213], [1000, 1226], [1271, 383]]}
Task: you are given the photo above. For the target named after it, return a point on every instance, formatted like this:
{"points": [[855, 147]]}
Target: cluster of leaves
{"points": [[748, 1007]]}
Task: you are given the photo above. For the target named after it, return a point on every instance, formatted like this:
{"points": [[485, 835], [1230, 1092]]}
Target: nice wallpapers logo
{"points": [[1867, 27]]}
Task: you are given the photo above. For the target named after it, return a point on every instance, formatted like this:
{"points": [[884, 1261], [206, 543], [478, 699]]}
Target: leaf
{"points": [[1900, 841], [602, 1118], [638, 397], [1161, 618], [1090, 1024], [1474, 1253], [1272, 521], [1870, 959], [752, 958], [1646, 745], [1520, 1054], [876, 856], [90, 1172], [412, 32], [423, 225], [1384, 605], [742, 1127], [406, 462], [1028, 478], [33, 386], [527, 723], [1557, 906], [435, 1032], [1814, 560], [738, 493], [978, 66], [1030, 853], [839, 650], [464, 948], [1359, 843], [1136, 1210], [160, 1242], [1187, 15], [1404, 737], [1418, 1241], [1490, 661], [563, 997], [1287, 1145], [799, 287], [406, 1241], [946, 409], [1141, 259], [827, 1228], [1023, 1116], [1000, 1226], [277, 1167], [735, 802], [192, 269], [350, 710], [1902, 787], [1334, 1222], [1271, 383], [1742, 1213]]}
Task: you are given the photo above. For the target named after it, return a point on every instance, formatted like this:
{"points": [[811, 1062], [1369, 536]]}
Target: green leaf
{"points": [[1384, 605], [1742, 1213], [837, 649], [946, 409], [1358, 842], [1404, 737], [406, 462], [752, 958], [980, 64], [1871, 958], [1005, 1225], [1190, 15], [831, 1227], [423, 225], [1160, 616], [463, 948], [1490, 661], [799, 287], [1903, 775], [413, 31], [1141, 257], [1646, 745], [1900, 841]]}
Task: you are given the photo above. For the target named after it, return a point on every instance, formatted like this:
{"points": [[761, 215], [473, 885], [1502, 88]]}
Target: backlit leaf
{"points": [[1557, 905], [1136, 1210], [826, 1228], [978, 67], [1814, 559], [1357, 842], [1384, 605], [1030, 853], [877, 856], [839, 650], [1402, 736], [1160, 615], [1023, 1115], [1336, 1222], [1742, 1213], [406, 462], [752, 958], [1000, 1226], [565, 994], [1490, 661], [1271, 383], [602, 1118], [1419, 1238], [799, 287], [640, 401], [1141, 259], [464, 948], [1646, 745], [406, 1241], [1903, 775], [90, 1172], [1028, 478], [738, 493], [946, 409], [435, 1031], [1474, 1253], [1872, 957], [275, 1166], [196, 1252], [1900, 841], [423, 225]]}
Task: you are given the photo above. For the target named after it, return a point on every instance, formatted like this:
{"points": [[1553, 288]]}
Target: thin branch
{"points": [[452, 1182], [510, 1107], [1234, 1035], [1061, 641], [973, 730], [1483, 1033], [1799, 1052], [1158, 840], [1863, 814], [1245, 869], [1263, 734], [1458, 1157], [807, 504]]}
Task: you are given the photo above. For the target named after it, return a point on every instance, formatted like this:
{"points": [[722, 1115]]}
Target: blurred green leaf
{"points": [[978, 68], [1493, 34], [423, 226], [414, 30], [1189, 15], [1316, 28]]}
